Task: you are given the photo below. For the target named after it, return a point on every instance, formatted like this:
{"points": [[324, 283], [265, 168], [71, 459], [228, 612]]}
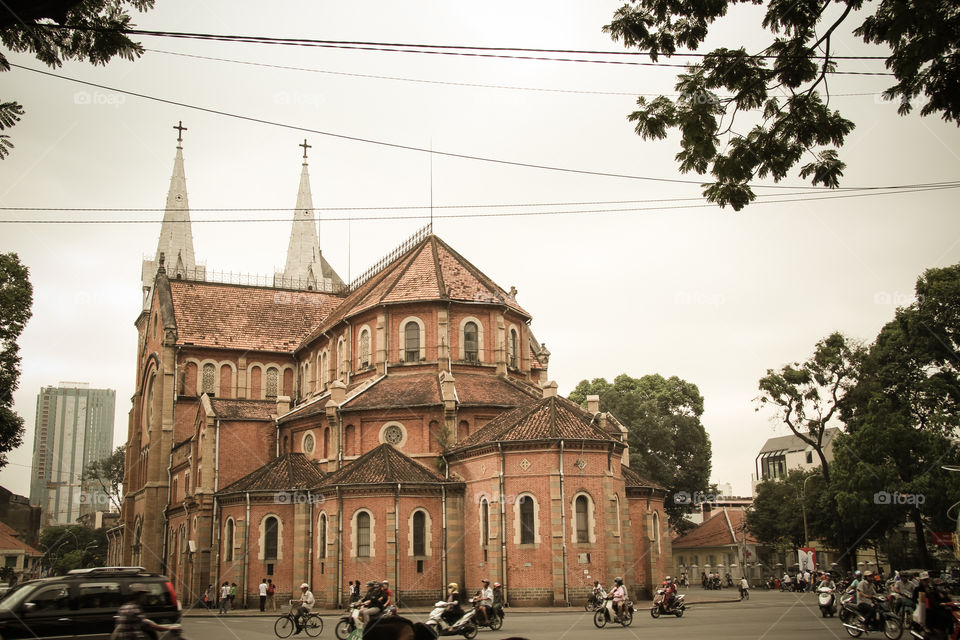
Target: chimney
{"points": [[593, 404], [550, 390], [283, 405], [338, 393]]}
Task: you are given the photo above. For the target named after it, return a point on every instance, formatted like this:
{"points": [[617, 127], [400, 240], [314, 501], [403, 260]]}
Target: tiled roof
{"points": [[551, 418], [394, 390], [431, 270], [239, 317], [8, 530], [289, 471], [243, 409], [383, 465], [10, 541], [475, 390], [716, 532], [633, 479]]}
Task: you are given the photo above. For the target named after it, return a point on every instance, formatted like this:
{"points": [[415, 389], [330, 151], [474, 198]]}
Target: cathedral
{"points": [[402, 426]]}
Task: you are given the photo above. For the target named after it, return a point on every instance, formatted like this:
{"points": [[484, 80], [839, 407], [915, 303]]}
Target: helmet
{"points": [[485, 581], [857, 573], [304, 586], [618, 580], [496, 585], [668, 578], [452, 586], [371, 583], [384, 582], [923, 575]]}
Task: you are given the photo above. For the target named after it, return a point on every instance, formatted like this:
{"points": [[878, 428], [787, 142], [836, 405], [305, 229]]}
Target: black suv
{"points": [[82, 603]]}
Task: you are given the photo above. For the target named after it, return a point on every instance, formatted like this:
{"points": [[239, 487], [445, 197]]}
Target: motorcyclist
{"points": [[485, 602], [865, 593], [619, 596], [371, 603], [669, 591], [386, 596], [826, 580], [931, 596], [498, 599], [454, 612], [598, 592]]}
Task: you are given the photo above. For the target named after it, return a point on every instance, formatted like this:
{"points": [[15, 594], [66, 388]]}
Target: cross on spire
{"points": [[180, 129], [305, 147]]}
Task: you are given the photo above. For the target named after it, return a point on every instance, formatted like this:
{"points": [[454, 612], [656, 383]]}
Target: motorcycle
{"points": [[494, 615], [607, 614], [917, 631], [350, 621], [594, 602], [826, 600], [659, 607], [883, 619], [465, 626]]}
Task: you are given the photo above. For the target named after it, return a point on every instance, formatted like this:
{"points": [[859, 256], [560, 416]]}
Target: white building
{"points": [[785, 453]]}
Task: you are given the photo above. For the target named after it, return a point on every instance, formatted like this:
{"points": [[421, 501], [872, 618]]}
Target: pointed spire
{"points": [[176, 234]]}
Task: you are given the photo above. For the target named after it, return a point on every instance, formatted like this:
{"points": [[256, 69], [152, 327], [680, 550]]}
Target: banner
{"points": [[807, 559], [941, 538]]}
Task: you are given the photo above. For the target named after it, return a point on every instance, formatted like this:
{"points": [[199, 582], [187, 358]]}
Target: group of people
{"points": [[267, 591], [617, 595], [228, 596], [915, 590]]}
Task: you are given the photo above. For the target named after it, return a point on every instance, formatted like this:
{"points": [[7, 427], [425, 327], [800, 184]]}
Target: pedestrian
{"points": [[271, 595], [263, 594], [233, 595], [224, 597], [354, 590], [208, 596]]}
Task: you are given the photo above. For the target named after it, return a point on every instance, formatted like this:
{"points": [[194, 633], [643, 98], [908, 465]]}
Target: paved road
{"points": [[774, 616]]}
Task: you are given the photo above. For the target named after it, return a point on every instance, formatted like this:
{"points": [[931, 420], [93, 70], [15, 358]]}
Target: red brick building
{"points": [[399, 428]]}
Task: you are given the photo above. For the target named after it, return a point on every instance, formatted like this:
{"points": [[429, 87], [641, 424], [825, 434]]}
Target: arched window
{"points": [[484, 521], [324, 371], [228, 540], [349, 437], [209, 378], [364, 360], [226, 381], [433, 431], [583, 525], [363, 535], [656, 533], [255, 383], [471, 344], [271, 529], [411, 342], [322, 536], [616, 499], [419, 533], [527, 521], [463, 430], [514, 349], [273, 382], [341, 360], [286, 444], [326, 442]]}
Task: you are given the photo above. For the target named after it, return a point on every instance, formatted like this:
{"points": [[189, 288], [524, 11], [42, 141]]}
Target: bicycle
{"points": [[285, 624]]}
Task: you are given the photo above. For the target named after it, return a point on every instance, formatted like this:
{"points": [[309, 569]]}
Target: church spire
{"points": [[305, 267], [176, 235]]}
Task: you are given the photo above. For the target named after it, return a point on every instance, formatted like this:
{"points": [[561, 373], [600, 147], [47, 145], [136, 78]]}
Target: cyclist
{"points": [[306, 602]]}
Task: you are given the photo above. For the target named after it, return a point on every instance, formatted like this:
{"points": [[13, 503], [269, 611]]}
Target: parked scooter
{"points": [[826, 598], [660, 606], [465, 626]]}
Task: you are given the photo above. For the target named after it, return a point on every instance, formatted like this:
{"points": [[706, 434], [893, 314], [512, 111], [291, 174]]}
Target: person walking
{"points": [[224, 597], [233, 596], [271, 595], [263, 594]]}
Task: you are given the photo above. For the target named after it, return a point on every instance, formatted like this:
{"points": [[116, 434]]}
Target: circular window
{"points": [[308, 443], [393, 435]]}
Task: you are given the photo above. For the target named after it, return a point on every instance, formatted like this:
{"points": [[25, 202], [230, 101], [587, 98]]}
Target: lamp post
{"points": [[803, 508]]}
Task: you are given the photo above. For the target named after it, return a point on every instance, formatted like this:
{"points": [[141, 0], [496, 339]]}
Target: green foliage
{"points": [[776, 516], [58, 30], [923, 39], [668, 443], [108, 473], [16, 298], [73, 547], [807, 396]]}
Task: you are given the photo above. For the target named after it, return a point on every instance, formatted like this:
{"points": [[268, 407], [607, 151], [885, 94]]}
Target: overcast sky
{"points": [[709, 295]]}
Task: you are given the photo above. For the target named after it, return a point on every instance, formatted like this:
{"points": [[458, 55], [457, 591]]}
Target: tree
{"points": [[73, 547], [776, 515], [16, 298], [807, 396], [58, 30], [783, 88], [668, 443], [108, 474]]}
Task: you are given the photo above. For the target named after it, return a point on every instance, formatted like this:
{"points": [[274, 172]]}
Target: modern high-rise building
{"points": [[74, 427]]}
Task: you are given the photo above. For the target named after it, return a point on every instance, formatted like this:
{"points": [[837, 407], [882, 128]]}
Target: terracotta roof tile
{"points": [[289, 471], [417, 281], [8, 541], [243, 409], [238, 317], [411, 390], [552, 418], [716, 531], [473, 389], [633, 479], [383, 465]]}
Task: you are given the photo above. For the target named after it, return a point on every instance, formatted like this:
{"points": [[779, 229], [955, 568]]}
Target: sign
{"points": [[941, 538], [807, 559]]}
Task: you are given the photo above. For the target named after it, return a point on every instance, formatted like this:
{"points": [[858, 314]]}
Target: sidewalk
{"points": [[692, 601]]}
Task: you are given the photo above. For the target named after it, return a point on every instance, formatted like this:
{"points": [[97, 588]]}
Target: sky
{"points": [[619, 275]]}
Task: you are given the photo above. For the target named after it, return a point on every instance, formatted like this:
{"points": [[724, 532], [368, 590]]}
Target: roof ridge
{"points": [[410, 258], [441, 286], [479, 275]]}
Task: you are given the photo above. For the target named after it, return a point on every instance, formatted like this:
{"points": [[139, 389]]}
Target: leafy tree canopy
{"points": [[73, 547], [107, 474], [668, 443], [16, 298], [782, 89], [58, 30]]}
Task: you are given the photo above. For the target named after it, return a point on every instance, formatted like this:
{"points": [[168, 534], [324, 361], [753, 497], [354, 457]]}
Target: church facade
{"points": [[401, 427]]}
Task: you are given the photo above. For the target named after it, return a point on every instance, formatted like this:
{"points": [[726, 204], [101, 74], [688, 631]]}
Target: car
{"points": [[83, 603]]}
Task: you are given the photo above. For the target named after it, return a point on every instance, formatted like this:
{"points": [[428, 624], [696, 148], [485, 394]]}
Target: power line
{"points": [[493, 215], [394, 145], [476, 85]]}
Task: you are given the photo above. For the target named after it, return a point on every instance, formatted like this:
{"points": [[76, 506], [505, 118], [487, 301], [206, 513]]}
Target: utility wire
{"points": [[393, 145], [490, 215]]}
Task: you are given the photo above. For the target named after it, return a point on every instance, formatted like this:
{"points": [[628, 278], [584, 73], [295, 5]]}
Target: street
{"points": [[766, 615]]}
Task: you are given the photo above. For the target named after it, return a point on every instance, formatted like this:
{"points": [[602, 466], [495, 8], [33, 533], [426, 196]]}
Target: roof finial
{"points": [[180, 129], [305, 147]]}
